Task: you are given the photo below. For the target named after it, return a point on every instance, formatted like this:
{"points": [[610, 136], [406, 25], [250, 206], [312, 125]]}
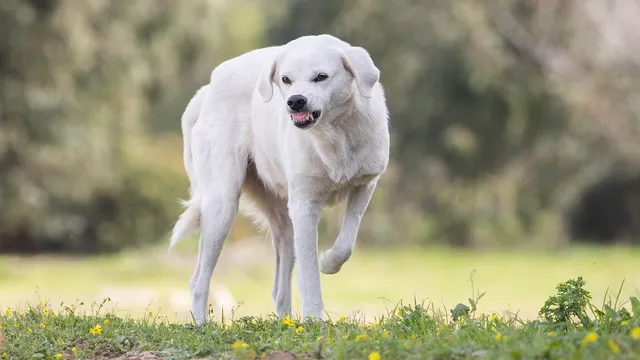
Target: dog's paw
{"points": [[331, 261]]}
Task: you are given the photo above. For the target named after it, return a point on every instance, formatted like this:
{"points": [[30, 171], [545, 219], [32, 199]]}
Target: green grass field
{"points": [[367, 290], [570, 326], [370, 283]]}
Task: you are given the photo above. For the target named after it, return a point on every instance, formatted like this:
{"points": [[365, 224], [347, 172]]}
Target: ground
{"points": [[569, 327], [145, 306]]}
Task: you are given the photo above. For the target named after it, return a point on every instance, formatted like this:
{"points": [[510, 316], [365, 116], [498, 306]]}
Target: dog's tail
{"points": [[189, 221], [189, 119]]}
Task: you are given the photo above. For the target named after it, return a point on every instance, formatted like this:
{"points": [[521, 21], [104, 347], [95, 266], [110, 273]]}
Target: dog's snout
{"points": [[297, 102]]}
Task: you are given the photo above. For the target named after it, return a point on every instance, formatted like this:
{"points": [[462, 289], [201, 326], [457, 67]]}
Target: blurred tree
{"points": [[507, 117], [493, 136], [77, 80]]}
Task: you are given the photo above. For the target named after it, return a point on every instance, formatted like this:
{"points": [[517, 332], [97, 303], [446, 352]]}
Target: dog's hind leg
{"points": [[218, 214], [220, 166], [282, 234], [275, 212], [331, 261]]}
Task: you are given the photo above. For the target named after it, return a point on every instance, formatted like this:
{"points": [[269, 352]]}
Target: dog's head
{"points": [[316, 75]]}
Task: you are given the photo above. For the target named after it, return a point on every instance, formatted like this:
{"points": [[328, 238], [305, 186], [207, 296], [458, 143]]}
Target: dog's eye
{"points": [[286, 80], [320, 77]]}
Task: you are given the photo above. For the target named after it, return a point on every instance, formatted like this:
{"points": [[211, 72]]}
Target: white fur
{"points": [[239, 139]]}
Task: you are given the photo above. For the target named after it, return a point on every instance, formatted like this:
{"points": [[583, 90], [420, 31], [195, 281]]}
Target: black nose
{"points": [[296, 102]]}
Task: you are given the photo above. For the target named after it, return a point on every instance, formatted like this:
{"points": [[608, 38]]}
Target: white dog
{"points": [[320, 137]]}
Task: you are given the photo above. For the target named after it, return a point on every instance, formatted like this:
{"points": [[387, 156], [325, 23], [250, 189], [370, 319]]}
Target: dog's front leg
{"points": [[305, 215], [331, 261]]}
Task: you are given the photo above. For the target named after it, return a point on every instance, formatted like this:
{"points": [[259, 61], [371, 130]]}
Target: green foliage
{"points": [[491, 145], [569, 310], [409, 331], [78, 82], [459, 311], [570, 302]]}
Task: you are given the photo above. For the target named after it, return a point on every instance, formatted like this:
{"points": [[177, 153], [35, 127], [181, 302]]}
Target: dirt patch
{"points": [[285, 355], [281, 355], [68, 354], [145, 355]]}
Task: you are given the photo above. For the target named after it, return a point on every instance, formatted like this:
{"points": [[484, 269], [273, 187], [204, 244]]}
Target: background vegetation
{"points": [[571, 325], [515, 147], [514, 122]]}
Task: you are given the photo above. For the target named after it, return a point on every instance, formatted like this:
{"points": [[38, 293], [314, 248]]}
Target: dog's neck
{"points": [[346, 138], [354, 120]]}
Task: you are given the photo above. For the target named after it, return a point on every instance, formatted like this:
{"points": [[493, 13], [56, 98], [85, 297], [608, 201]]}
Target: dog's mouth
{"points": [[304, 120]]}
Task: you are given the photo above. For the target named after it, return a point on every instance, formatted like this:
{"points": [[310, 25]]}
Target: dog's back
{"points": [[231, 82]]}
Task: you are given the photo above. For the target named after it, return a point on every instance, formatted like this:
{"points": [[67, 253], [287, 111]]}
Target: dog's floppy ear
{"points": [[358, 62], [265, 81]]}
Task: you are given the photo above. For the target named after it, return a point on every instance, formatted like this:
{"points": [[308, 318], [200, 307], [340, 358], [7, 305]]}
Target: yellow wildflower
{"points": [[614, 347], [407, 345], [399, 313], [263, 355], [589, 338], [96, 330], [106, 321], [43, 325], [624, 322], [288, 321], [58, 356], [635, 333], [494, 317], [42, 303], [45, 312], [239, 345], [8, 311], [375, 356], [342, 319], [412, 337], [74, 350], [362, 337], [4, 355], [299, 329], [499, 336], [385, 334]]}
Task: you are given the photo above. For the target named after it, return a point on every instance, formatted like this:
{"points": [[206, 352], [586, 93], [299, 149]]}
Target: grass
{"points": [[369, 284], [143, 314], [569, 326]]}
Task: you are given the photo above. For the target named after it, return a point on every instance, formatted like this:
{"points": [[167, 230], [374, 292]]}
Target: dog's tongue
{"points": [[300, 116]]}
